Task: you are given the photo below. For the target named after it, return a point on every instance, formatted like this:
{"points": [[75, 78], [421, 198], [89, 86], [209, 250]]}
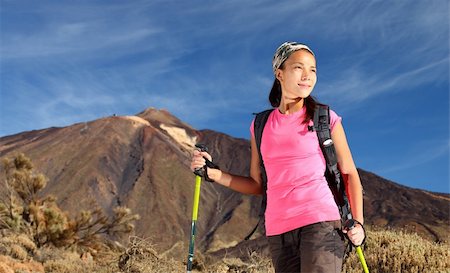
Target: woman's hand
{"points": [[198, 160], [356, 234]]}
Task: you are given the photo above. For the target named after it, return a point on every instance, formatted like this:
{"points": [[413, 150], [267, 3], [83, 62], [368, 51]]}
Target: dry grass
{"points": [[252, 263], [386, 252], [389, 251], [140, 257]]}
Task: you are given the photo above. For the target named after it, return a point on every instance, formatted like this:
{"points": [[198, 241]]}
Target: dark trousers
{"points": [[316, 248]]}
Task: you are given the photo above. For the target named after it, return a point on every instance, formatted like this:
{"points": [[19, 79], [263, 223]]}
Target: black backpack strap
{"points": [[259, 124], [258, 127], [332, 173]]}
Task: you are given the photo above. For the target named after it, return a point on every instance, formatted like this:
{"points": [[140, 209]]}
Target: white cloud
{"points": [[355, 84], [425, 152]]}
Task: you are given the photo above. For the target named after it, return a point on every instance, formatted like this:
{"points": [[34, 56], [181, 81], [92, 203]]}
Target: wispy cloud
{"points": [[355, 84], [425, 153], [73, 30]]}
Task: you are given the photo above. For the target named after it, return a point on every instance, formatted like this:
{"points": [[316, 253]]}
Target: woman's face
{"points": [[297, 76]]}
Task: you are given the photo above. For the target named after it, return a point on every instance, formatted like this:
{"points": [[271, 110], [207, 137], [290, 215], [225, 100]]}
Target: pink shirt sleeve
{"points": [[252, 128], [334, 119]]}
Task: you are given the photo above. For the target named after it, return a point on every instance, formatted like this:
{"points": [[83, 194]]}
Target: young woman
{"points": [[302, 220]]}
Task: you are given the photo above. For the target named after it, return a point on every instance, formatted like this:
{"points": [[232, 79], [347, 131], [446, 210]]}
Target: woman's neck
{"points": [[292, 107]]}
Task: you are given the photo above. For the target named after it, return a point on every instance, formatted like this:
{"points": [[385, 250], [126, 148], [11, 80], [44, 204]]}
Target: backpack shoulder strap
{"points": [[258, 128], [332, 173], [259, 124]]}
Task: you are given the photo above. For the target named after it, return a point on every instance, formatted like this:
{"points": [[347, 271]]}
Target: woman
{"points": [[302, 220]]}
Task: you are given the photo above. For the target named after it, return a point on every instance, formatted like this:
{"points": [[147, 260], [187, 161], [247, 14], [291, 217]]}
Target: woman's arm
{"points": [[242, 184], [349, 172], [351, 179]]}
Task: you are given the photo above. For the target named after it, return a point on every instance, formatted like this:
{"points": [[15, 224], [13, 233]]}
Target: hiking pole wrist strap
{"points": [[365, 235], [210, 165]]}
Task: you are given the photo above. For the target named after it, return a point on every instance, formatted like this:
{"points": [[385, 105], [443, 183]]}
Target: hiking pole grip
{"points": [[350, 224], [201, 171]]}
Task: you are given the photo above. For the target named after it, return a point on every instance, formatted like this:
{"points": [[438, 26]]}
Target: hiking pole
{"points": [[350, 224], [198, 182]]}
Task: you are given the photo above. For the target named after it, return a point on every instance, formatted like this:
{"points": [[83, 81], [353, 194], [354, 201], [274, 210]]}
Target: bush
{"points": [[21, 210]]}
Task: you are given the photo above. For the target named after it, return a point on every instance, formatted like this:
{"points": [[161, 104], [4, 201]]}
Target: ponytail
{"points": [[275, 94], [310, 104]]}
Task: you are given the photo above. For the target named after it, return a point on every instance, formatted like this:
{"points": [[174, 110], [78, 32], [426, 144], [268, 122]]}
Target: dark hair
{"points": [[275, 100]]}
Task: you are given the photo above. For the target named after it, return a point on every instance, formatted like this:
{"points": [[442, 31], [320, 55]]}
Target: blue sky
{"points": [[382, 65]]}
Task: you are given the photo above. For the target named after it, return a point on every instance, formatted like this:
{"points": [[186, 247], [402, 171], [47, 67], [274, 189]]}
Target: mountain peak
{"points": [[137, 119], [157, 116], [162, 119]]}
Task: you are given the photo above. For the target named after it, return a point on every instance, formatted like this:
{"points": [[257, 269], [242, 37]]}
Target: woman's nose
{"points": [[305, 75]]}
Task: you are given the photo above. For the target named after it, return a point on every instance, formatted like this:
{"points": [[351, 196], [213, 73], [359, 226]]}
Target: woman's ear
{"points": [[279, 74]]}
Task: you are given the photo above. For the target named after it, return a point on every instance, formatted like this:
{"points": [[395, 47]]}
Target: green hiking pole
{"points": [[362, 259], [198, 182], [199, 173]]}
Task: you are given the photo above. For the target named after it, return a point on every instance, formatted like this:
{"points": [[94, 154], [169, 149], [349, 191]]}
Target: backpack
{"points": [[332, 174]]}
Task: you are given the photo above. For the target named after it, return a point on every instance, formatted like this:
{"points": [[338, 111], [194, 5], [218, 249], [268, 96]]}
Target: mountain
{"points": [[142, 162]]}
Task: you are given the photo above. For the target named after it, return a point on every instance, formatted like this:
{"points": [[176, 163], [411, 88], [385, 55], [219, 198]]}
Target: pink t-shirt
{"points": [[297, 191]]}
